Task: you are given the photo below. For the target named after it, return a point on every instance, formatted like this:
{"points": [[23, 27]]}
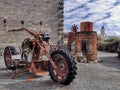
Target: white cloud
{"points": [[98, 11]]}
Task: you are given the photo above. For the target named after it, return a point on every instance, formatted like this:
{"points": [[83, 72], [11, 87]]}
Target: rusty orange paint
{"points": [[41, 73], [30, 79]]}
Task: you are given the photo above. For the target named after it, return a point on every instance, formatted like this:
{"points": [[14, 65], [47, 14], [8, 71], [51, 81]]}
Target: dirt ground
{"points": [[104, 75]]}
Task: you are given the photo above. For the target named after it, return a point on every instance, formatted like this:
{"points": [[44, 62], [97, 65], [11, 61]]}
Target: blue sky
{"points": [[101, 12]]}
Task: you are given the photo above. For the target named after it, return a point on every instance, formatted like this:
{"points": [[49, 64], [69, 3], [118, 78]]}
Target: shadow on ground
{"points": [[43, 82], [35, 85]]}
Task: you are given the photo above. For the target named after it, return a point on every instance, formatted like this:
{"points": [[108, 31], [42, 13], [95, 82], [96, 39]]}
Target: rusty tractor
{"points": [[38, 56]]}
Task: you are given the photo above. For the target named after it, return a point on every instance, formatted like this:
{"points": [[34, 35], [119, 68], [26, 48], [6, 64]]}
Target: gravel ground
{"points": [[104, 75]]}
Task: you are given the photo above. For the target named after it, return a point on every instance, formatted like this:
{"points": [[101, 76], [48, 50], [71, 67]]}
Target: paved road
{"points": [[104, 75]]}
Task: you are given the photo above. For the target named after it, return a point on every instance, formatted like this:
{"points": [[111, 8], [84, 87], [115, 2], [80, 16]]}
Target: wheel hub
{"points": [[8, 59], [62, 67]]}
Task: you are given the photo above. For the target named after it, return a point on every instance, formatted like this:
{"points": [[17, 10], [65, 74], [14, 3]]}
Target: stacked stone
{"points": [[60, 22]]}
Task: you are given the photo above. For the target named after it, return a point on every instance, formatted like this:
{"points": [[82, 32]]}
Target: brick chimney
{"points": [[86, 41]]}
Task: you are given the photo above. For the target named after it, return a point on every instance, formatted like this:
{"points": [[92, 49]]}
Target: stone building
{"points": [[50, 12]]}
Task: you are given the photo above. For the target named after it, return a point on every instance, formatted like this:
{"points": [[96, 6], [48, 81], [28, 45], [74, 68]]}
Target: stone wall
{"points": [[32, 12]]}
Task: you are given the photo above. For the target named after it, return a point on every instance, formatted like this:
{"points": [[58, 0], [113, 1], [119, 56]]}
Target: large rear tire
{"points": [[66, 67], [8, 51]]}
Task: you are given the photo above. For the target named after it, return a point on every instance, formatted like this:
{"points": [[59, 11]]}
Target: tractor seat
{"points": [[46, 37]]}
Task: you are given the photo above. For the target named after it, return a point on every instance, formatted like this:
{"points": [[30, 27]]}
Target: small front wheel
{"points": [[66, 67], [8, 57]]}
